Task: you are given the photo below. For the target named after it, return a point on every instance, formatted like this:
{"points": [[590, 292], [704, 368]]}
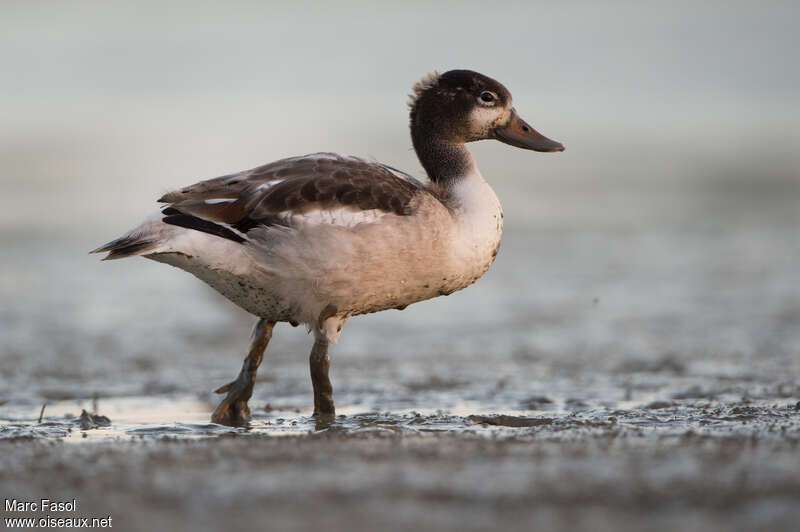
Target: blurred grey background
{"points": [[667, 233]]}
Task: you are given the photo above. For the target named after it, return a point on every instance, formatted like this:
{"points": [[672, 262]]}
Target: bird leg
{"points": [[320, 362], [233, 410]]}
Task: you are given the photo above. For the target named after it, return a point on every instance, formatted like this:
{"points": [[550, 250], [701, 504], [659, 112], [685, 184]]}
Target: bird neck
{"points": [[446, 162]]}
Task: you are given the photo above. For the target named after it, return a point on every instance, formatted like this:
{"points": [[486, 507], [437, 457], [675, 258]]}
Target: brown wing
{"points": [[271, 194]]}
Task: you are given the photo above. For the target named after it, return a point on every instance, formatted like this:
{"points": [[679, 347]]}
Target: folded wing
{"points": [[318, 188]]}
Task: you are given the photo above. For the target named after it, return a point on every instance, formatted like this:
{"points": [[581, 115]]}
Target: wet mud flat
{"points": [[679, 465]]}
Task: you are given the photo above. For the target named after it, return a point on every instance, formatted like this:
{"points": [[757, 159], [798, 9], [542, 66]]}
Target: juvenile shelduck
{"points": [[319, 238]]}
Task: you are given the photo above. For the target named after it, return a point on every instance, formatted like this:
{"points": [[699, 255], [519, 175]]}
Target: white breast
{"points": [[479, 218]]}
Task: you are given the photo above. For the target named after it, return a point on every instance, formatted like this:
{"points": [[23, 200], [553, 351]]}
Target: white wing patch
{"points": [[269, 184], [342, 217], [218, 200]]}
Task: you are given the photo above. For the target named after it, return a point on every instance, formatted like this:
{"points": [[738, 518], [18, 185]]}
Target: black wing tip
{"points": [[110, 245], [124, 247]]}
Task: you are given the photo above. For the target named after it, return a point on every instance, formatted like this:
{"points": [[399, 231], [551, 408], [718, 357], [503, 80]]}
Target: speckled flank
{"points": [[242, 290]]}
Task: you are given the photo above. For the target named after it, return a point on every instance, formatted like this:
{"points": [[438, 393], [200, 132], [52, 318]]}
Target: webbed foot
{"points": [[233, 410]]}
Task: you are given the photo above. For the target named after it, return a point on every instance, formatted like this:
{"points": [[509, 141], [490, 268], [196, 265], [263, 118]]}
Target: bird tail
{"points": [[143, 240]]}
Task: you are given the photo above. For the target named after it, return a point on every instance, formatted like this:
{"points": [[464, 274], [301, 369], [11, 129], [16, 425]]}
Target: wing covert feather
{"points": [[273, 193]]}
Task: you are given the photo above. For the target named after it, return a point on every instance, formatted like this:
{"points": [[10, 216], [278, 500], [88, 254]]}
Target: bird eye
{"points": [[488, 97]]}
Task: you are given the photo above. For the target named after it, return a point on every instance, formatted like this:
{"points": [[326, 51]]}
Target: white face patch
{"points": [[483, 119]]}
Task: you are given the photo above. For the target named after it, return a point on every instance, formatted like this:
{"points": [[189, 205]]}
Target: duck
{"points": [[320, 238]]}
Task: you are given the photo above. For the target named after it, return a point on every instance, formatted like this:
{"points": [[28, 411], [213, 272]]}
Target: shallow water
{"points": [[186, 417]]}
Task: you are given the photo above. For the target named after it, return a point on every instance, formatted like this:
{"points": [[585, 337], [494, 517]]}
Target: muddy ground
{"points": [[724, 470]]}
